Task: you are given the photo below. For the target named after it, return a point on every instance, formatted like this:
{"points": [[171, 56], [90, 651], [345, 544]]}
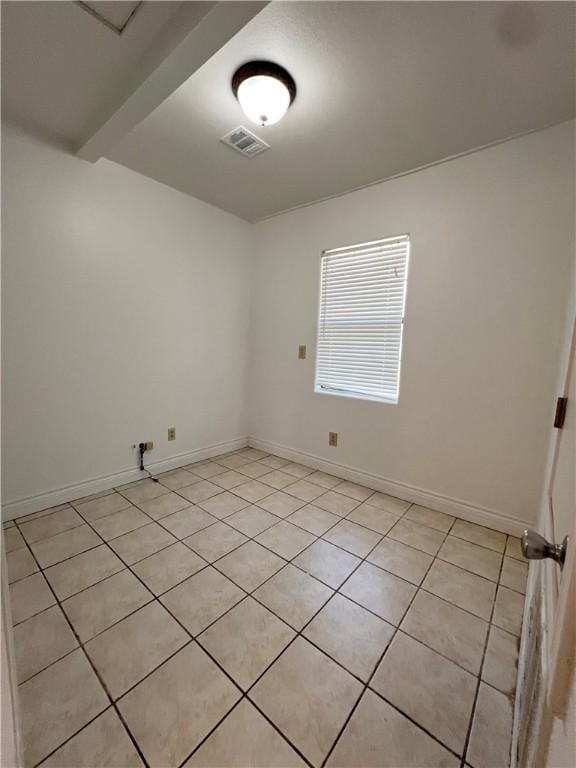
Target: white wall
{"points": [[492, 241], [125, 312]]}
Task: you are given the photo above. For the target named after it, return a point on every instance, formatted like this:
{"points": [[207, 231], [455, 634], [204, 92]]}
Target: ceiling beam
{"points": [[200, 30]]}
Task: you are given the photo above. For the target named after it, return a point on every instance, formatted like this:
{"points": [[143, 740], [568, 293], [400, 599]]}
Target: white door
{"points": [[545, 710]]}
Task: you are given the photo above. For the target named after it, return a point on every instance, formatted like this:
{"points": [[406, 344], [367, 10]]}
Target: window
{"points": [[362, 294]]}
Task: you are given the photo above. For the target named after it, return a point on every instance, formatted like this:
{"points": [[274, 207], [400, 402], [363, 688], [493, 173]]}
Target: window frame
{"points": [[350, 394]]}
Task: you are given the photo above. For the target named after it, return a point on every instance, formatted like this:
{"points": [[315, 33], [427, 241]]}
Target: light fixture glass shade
{"points": [[264, 99]]}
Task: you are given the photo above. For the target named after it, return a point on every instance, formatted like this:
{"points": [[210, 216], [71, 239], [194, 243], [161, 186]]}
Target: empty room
{"points": [[288, 460]]}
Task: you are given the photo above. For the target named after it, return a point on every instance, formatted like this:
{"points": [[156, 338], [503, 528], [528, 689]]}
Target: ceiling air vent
{"points": [[245, 142]]}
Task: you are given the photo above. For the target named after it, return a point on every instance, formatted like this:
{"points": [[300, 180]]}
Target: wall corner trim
{"points": [[21, 507], [464, 510]]}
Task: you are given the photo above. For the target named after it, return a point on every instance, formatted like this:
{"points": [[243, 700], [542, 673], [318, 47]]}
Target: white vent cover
{"points": [[245, 142]]}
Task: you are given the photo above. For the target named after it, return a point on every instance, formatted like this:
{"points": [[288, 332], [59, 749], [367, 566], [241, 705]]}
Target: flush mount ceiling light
{"points": [[265, 91]]}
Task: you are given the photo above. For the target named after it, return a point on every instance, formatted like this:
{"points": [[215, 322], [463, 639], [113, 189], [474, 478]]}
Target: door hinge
{"points": [[560, 415]]}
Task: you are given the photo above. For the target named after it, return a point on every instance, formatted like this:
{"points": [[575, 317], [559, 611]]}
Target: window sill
{"points": [[356, 396]]}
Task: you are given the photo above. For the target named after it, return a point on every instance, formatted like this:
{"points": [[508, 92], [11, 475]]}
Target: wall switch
{"points": [[333, 439], [302, 352], [171, 433]]}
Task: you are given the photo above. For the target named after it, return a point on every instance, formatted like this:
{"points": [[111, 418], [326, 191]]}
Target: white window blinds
{"points": [[362, 294]]}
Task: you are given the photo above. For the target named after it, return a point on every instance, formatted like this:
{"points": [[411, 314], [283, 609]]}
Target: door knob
{"points": [[536, 547]]}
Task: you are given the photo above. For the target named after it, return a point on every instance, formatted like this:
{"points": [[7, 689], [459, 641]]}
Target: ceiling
{"points": [[61, 66], [383, 88]]}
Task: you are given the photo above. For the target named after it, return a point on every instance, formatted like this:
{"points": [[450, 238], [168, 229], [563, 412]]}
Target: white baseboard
{"points": [[26, 506], [462, 509]]}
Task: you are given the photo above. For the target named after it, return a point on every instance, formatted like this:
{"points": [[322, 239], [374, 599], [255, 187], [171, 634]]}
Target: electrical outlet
{"points": [[171, 433], [302, 352], [148, 446], [333, 439]]}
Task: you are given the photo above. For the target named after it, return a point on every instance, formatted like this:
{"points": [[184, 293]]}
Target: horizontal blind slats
{"points": [[362, 294]]}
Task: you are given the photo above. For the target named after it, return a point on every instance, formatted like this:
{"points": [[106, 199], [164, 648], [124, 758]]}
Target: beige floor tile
{"points": [[375, 519], [50, 525], [42, 512], [206, 469], [163, 570], [131, 649], [389, 503], [99, 607], [508, 610], [464, 589], [8, 524], [64, 545], [297, 470], [308, 697], [430, 517], [378, 736], [223, 505], [13, 540], [254, 470], [102, 506], [449, 630], [253, 491], [354, 491], [119, 523], [406, 562], [82, 571], [491, 734], [285, 539], [29, 596], [141, 543], [277, 479], [324, 480], [143, 490], [40, 641], [353, 537], [250, 565], [234, 461], [313, 520], [275, 462], [328, 563], [243, 739], [214, 542], [246, 640], [380, 592], [513, 549], [281, 504], [103, 743], [164, 505], [56, 703], [336, 503], [252, 520], [200, 491], [418, 536], [304, 490], [254, 454], [293, 595], [177, 478], [514, 575], [202, 599], [187, 521], [20, 564], [500, 667], [171, 711], [229, 480], [90, 496], [431, 690], [479, 560], [480, 535], [350, 635]]}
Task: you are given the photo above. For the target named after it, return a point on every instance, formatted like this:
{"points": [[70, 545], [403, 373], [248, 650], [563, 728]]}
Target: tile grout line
{"points": [[253, 538]]}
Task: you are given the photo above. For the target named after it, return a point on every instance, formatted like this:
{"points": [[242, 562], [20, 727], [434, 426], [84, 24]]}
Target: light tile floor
{"points": [[250, 611]]}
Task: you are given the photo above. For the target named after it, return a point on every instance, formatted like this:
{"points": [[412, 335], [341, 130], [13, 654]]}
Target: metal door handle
{"points": [[536, 547]]}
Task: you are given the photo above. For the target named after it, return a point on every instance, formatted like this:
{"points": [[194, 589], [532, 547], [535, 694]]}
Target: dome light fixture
{"points": [[265, 91]]}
